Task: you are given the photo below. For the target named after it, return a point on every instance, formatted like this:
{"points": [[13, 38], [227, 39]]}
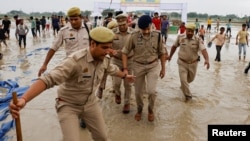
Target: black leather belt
{"points": [[146, 63], [120, 58]]}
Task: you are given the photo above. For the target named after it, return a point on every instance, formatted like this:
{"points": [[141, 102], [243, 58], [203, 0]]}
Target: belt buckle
{"points": [[189, 62]]}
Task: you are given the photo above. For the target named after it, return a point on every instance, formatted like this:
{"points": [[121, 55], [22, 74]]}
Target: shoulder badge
{"points": [[182, 40]]}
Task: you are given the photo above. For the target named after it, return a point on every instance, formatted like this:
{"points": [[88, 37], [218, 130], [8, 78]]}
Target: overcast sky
{"points": [[219, 7]]}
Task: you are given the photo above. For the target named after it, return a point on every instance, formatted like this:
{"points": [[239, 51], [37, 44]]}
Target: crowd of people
{"points": [[131, 49]]}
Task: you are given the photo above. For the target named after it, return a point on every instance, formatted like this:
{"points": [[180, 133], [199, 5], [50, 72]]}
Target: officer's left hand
{"points": [[162, 73], [130, 78], [113, 52], [206, 63]]}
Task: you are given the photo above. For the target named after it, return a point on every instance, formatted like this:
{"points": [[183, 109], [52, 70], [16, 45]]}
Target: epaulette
{"points": [[79, 54], [157, 31], [135, 31], [65, 27]]}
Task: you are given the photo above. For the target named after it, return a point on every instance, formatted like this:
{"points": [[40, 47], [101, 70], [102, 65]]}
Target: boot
{"points": [[151, 116], [244, 58], [239, 58], [138, 114]]}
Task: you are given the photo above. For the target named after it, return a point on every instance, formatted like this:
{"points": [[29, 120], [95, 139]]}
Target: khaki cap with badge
{"points": [[190, 26], [121, 19], [102, 35], [112, 24], [74, 12]]}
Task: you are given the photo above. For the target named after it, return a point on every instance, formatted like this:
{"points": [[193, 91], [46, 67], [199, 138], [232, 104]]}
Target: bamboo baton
{"points": [[17, 120]]}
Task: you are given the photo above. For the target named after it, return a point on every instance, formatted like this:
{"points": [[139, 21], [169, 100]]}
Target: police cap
{"points": [[144, 21], [102, 34], [74, 12], [121, 19], [190, 26], [112, 24]]}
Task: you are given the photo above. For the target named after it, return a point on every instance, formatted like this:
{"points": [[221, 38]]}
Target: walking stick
{"points": [[17, 120]]}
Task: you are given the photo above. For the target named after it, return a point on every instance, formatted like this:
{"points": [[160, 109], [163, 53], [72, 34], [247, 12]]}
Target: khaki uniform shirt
{"points": [[189, 48], [74, 39], [146, 49], [120, 40], [78, 77]]}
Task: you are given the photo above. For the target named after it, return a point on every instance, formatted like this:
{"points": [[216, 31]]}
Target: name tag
{"points": [[86, 76]]}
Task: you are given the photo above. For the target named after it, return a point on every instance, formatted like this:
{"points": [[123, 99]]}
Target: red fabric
{"points": [[182, 29], [18, 21], [157, 23]]}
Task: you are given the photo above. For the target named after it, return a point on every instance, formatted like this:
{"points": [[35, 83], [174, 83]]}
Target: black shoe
{"points": [[246, 70], [82, 123], [188, 98], [99, 93]]}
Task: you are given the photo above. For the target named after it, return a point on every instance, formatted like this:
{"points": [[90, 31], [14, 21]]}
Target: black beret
{"points": [[144, 21]]}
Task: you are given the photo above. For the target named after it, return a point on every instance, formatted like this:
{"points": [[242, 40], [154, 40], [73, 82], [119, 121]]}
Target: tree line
{"points": [[191, 15]]}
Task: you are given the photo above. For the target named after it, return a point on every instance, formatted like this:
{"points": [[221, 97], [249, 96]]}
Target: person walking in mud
{"points": [[6, 26], [2, 36], [22, 31], [78, 77], [229, 31], [242, 41], [148, 47], [190, 45], [122, 32], [75, 36], [220, 40]]}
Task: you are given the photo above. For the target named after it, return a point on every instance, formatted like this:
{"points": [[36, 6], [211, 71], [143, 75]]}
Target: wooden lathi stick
{"points": [[17, 120]]}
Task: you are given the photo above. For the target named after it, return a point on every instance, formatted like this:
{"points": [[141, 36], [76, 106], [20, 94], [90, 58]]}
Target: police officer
{"points": [[112, 24], [121, 35], [78, 76], [147, 46], [74, 35], [99, 92], [190, 45]]}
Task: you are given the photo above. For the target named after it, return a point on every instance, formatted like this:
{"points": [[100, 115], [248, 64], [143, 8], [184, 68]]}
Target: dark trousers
{"points": [[218, 49], [22, 37], [33, 31]]}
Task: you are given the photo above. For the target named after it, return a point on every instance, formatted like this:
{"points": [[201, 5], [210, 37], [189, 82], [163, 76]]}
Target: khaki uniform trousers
{"points": [[117, 81], [146, 76], [187, 73], [68, 115]]}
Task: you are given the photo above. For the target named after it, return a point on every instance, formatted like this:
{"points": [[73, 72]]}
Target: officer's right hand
{"points": [[42, 70], [168, 58], [15, 108]]}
